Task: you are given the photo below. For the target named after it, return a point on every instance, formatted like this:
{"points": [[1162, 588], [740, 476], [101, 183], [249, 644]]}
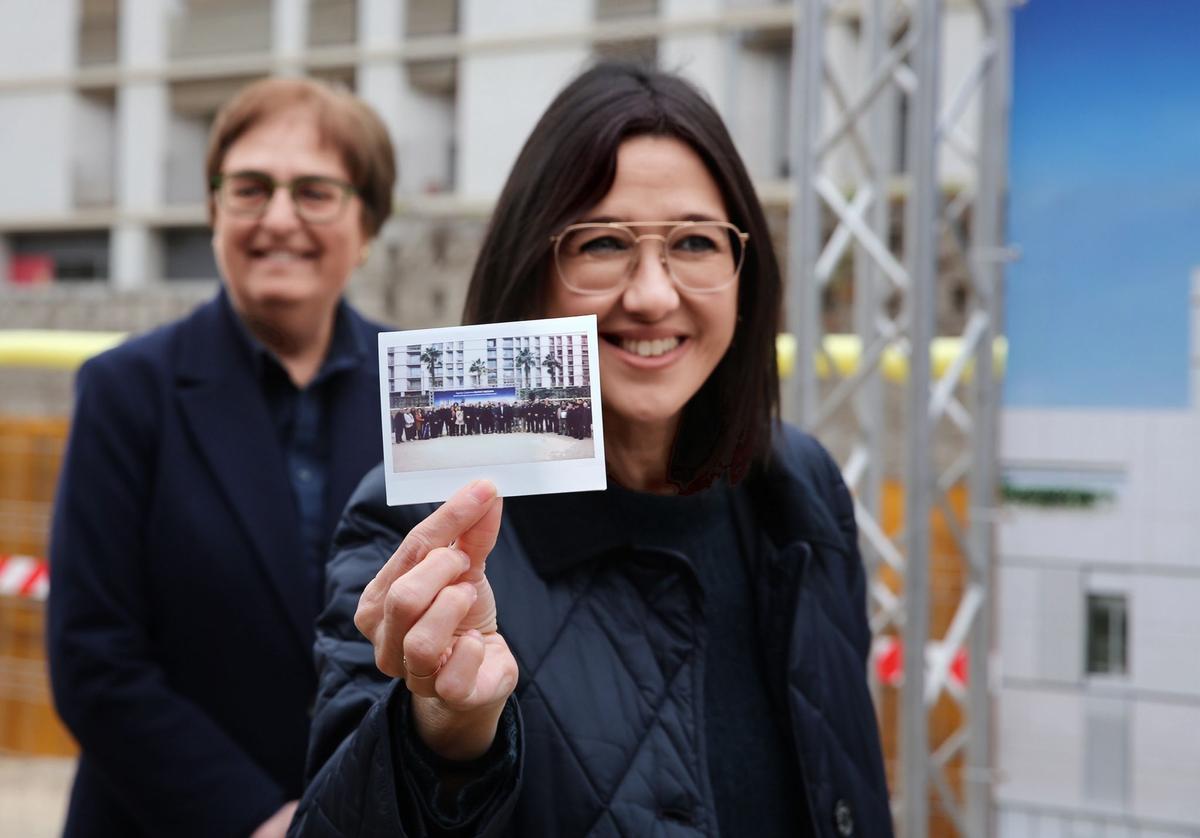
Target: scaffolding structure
{"points": [[898, 49]]}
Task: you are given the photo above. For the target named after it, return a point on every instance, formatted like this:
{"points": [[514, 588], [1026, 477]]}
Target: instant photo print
{"points": [[515, 403]]}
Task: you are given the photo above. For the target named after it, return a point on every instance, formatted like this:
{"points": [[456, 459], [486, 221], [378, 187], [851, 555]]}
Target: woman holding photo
{"points": [[683, 653]]}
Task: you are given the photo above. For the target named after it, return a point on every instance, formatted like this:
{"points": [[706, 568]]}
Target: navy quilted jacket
{"points": [[610, 642]]}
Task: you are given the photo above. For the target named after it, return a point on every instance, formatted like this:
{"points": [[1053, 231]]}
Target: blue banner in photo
{"points": [[475, 396]]}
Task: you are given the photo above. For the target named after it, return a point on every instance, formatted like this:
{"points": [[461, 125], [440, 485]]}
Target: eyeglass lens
{"points": [[700, 257], [315, 198]]}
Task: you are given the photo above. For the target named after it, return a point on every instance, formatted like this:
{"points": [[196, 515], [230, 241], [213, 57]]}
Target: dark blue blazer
{"points": [[180, 627]]}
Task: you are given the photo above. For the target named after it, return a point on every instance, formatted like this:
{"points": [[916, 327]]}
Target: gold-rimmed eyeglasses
{"points": [[317, 199], [599, 257]]}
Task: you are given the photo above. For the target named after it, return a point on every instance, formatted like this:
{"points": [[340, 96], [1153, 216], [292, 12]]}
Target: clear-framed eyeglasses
{"points": [[600, 257], [317, 199]]}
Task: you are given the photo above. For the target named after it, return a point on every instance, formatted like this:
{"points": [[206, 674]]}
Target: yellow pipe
{"points": [[53, 349], [845, 351]]}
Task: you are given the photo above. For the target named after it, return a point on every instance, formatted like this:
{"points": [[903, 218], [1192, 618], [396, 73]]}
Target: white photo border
{"points": [[511, 479]]}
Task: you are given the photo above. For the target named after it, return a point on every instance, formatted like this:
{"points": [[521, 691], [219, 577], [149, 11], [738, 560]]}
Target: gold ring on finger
{"points": [[412, 674]]}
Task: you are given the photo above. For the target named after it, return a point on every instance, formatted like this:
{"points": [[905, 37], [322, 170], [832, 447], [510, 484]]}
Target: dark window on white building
{"points": [[1107, 634]]}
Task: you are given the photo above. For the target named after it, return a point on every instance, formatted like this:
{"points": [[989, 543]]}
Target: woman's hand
{"points": [[431, 617]]}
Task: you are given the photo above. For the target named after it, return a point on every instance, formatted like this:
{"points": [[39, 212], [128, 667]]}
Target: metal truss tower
{"points": [[845, 172]]}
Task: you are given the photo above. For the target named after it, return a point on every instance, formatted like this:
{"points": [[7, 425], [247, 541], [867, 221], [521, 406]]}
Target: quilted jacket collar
{"points": [[563, 531]]}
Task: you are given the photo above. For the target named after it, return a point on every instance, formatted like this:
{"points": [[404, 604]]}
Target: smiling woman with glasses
{"points": [[681, 654], [207, 465]]}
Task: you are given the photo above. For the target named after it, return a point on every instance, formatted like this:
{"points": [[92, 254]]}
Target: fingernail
{"points": [[466, 560], [482, 490]]}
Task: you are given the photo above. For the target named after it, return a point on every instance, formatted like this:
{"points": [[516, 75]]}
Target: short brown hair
{"points": [[344, 122]]}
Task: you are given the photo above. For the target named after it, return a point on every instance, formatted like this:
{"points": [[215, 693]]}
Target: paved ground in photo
{"points": [[488, 450]]}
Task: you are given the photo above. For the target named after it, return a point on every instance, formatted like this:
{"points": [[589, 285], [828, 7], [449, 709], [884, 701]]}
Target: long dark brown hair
{"points": [[567, 166]]}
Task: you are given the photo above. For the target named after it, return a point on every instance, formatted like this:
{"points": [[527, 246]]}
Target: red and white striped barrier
{"points": [[24, 576], [888, 654]]}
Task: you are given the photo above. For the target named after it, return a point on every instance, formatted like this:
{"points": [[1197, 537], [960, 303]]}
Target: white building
{"points": [[105, 104], [556, 361], [1099, 621], [520, 363]]}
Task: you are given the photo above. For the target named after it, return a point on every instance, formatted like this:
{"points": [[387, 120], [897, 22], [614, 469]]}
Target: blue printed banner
{"points": [[475, 396]]}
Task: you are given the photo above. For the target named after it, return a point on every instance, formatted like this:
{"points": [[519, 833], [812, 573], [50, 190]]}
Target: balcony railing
{"points": [[220, 27]]}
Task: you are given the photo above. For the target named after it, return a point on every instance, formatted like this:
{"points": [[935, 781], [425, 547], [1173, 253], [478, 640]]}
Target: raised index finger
{"points": [[449, 521]]}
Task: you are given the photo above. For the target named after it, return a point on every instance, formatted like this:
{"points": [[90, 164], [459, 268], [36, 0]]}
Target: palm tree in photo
{"points": [[525, 360], [552, 365], [431, 357], [478, 369]]}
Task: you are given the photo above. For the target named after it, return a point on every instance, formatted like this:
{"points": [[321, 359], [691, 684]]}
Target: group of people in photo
{"points": [[567, 417]]}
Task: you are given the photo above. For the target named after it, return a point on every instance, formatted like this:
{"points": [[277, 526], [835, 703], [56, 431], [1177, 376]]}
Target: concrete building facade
{"points": [[105, 107], [1098, 580]]}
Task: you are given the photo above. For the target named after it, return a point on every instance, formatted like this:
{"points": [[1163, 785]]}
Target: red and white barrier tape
{"points": [[24, 576], [888, 654]]}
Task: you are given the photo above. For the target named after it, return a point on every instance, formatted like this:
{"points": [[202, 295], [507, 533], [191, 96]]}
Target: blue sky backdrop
{"points": [[1104, 202]]}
